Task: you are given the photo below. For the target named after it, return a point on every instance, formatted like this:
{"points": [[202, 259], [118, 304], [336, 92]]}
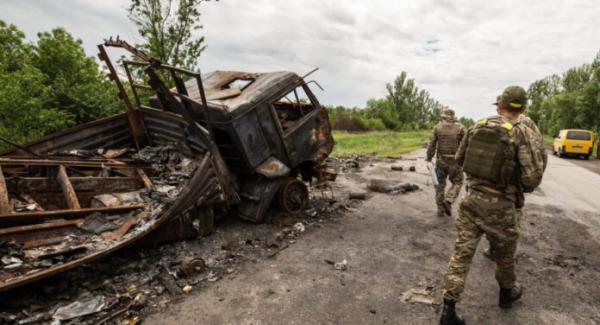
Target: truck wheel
{"points": [[293, 196], [560, 153]]}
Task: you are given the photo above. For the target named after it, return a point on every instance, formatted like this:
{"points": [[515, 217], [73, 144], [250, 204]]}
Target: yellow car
{"points": [[574, 142]]}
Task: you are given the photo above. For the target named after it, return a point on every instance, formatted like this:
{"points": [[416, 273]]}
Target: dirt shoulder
{"points": [[394, 244]]}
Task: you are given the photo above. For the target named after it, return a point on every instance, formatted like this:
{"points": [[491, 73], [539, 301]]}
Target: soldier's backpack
{"points": [[531, 155], [489, 154]]}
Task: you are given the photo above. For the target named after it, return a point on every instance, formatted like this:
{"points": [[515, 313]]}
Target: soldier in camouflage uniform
{"points": [[501, 163], [539, 142], [444, 142]]}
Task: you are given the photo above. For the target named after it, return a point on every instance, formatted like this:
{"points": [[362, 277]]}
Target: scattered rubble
{"points": [[341, 266], [419, 296], [357, 196], [391, 187], [134, 283], [80, 308]]}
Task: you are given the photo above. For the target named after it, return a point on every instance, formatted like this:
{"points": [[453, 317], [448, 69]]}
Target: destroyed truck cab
{"points": [[270, 129]]}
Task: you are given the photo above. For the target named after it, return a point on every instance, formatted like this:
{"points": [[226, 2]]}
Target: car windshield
{"points": [[579, 135]]}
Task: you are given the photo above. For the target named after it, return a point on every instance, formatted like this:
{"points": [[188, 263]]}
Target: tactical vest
{"points": [[448, 138], [490, 154]]}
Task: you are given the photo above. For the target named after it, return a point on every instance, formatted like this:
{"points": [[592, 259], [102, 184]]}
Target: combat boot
{"points": [[449, 316], [508, 296], [440, 211], [448, 208]]}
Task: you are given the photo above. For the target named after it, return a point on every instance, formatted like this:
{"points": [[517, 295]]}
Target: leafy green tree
{"points": [[24, 93], [13, 51], [570, 100], [78, 86], [169, 30], [49, 85]]}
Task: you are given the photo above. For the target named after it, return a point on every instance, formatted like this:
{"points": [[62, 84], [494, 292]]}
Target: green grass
{"points": [[548, 139], [380, 143]]}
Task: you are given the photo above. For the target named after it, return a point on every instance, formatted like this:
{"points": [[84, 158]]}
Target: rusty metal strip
{"points": [[42, 242], [39, 226], [45, 162], [122, 230], [65, 213], [145, 179], [136, 125], [67, 187], [4, 209]]}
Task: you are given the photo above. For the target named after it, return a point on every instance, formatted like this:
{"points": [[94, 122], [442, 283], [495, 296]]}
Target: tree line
{"points": [[405, 107], [51, 84], [48, 85], [568, 100]]}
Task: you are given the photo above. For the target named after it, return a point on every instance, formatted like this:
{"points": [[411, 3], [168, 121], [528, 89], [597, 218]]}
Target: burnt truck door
{"points": [[297, 114]]}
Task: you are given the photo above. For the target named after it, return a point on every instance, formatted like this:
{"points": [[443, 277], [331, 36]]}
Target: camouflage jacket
{"points": [[530, 165], [445, 139]]}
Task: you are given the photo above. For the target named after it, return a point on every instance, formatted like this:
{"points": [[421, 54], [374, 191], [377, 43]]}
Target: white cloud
{"points": [[463, 52]]}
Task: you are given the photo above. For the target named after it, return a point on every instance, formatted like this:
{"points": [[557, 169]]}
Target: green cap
{"points": [[514, 97], [498, 99]]}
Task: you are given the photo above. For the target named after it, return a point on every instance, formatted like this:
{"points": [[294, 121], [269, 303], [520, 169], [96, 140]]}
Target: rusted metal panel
{"points": [[90, 135]]}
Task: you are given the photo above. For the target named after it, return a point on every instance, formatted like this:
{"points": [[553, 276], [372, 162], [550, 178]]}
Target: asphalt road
{"points": [[571, 185], [395, 243]]}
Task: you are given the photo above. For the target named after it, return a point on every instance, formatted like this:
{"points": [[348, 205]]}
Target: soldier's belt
{"points": [[488, 197], [447, 157]]}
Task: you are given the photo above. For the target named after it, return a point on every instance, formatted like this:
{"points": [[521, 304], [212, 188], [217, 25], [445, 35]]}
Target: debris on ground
{"points": [[80, 308], [187, 289], [391, 187], [191, 265], [419, 296], [299, 227], [341, 266], [357, 196], [397, 168]]}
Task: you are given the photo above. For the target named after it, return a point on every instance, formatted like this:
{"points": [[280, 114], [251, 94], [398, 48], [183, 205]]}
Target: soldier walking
{"points": [[445, 139], [501, 164], [538, 141]]}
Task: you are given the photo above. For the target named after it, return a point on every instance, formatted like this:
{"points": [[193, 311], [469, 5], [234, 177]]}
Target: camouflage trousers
{"points": [[448, 169], [498, 219]]}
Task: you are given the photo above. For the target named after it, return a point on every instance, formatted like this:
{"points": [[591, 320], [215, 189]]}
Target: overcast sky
{"points": [[463, 52]]}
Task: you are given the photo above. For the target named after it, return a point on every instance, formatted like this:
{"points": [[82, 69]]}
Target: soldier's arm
{"points": [[462, 148], [432, 145]]}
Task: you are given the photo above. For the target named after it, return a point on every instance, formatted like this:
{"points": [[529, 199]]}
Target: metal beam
{"points": [[4, 208], [67, 188]]}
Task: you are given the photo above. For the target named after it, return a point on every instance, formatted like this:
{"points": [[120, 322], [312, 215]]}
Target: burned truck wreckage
{"points": [[222, 142]]}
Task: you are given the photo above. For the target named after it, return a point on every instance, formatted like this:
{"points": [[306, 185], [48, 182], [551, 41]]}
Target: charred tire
{"points": [[293, 195]]}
